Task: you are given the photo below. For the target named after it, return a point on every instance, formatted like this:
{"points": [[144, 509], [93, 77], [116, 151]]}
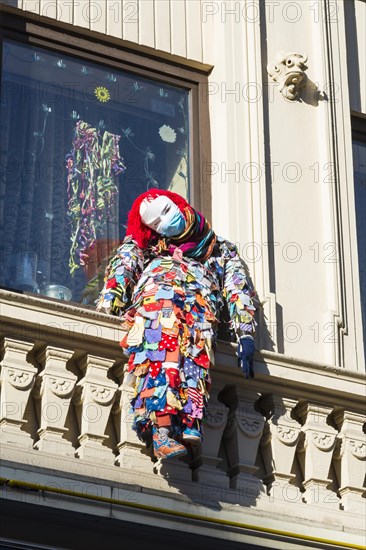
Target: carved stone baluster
{"points": [[317, 446], [94, 398], [132, 453], [53, 390], [17, 380], [279, 442], [206, 463], [242, 437], [350, 463]]}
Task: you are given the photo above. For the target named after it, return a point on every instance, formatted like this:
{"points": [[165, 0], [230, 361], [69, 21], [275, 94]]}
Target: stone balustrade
{"points": [[270, 442], [289, 435]]}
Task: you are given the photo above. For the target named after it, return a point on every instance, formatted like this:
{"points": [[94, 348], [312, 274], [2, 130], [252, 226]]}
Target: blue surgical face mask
{"points": [[173, 227], [163, 216]]}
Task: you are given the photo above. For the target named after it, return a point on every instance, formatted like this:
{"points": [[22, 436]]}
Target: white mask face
{"points": [[163, 216]]}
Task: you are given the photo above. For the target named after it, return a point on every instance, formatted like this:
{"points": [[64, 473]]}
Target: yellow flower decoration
{"points": [[102, 94]]}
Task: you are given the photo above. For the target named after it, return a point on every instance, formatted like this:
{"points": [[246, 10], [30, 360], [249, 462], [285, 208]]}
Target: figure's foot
{"points": [[166, 447], [191, 435]]}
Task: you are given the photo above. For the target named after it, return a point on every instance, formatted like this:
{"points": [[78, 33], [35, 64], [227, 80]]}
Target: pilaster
{"points": [[318, 445], [206, 463], [94, 398], [242, 436], [17, 380], [350, 460], [53, 390], [279, 440], [131, 452]]}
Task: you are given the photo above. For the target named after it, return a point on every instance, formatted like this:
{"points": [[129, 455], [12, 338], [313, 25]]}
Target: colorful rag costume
{"points": [[169, 293]]}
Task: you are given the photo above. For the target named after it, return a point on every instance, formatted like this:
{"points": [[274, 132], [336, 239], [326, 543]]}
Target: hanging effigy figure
{"points": [[168, 282]]}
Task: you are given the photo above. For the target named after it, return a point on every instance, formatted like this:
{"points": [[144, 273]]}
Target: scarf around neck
{"points": [[197, 240]]}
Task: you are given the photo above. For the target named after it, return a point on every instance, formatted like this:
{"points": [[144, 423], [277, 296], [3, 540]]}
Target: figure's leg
{"points": [[165, 446]]}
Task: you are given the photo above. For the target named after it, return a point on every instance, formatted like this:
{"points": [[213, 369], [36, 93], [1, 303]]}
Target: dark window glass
{"points": [[359, 163], [78, 144]]}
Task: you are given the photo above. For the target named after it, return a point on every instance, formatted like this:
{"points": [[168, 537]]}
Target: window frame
{"points": [[358, 127], [358, 123], [117, 54]]}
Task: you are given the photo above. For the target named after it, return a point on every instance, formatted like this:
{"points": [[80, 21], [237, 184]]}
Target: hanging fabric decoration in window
{"points": [[92, 168]]}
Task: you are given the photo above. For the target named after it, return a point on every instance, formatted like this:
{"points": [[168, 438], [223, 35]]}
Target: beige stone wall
{"points": [[282, 171], [170, 26], [282, 178], [282, 189], [283, 453]]}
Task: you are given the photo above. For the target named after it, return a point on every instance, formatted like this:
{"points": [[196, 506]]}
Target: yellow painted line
{"points": [[24, 484]]}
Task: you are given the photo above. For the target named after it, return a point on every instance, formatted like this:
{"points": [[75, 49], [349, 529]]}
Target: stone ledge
{"points": [[31, 317], [230, 523], [153, 489]]}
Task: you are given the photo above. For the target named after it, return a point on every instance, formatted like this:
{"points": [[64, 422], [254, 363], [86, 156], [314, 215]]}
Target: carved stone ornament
{"points": [[323, 441], [20, 379], [61, 386], [251, 425], [216, 416], [358, 448], [288, 71], [287, 435], [102, 395]]}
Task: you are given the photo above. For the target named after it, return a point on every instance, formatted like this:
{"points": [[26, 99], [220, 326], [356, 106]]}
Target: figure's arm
{"points": [[239, 295], [121, 275]]}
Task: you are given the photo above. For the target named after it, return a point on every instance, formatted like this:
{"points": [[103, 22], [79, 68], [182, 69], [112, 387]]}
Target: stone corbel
{"points": [[288, 70], [131, 452], [54, 389], [279, 442], [350, 460], [16, 380], [317, 451], [208, 462], [242, 436], [94, 397]]}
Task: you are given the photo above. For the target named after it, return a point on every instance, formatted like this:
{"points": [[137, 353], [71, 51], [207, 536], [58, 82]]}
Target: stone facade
{"points": [[297, 447], [282, 464]]}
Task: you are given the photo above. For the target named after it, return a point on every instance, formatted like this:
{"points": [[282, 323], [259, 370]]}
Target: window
{"points": [[80, 140], [359, 164]]}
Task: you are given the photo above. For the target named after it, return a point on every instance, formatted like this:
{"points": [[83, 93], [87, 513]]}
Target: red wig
{"points": [[136, 228]]}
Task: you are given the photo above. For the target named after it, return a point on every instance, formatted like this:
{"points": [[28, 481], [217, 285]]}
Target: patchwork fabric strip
{"points": [[172, 310]]}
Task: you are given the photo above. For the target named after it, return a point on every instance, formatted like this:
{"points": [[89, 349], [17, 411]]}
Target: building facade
{"points": [[254, 110]]}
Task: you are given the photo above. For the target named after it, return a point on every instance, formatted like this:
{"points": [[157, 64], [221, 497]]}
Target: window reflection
{"points": [[359, 163], [78, 144]]}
